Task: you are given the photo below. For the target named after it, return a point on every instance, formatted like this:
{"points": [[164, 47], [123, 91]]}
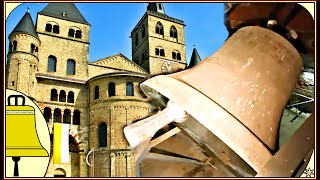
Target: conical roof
{"points": [[26, 25], [195, 58], [66, 11]]}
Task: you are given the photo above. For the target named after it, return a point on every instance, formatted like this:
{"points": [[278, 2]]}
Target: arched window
{"points": [[76, 117], [10, 47], [157, 51], [15, 44], [103, 135], [54, 95], [129, 89], [52, 64], [71, 65], [67, 116], [143, 32], [56, 29], [111, 89], [57, 115], [159, 28], [70, 97], [174, 55], [59, 172], [96, 92], [162, 52], [173, 32], [78, 34], [136, 39], [71, 33], [47, 114], [62, 96], [178, 56], [48, 27]]}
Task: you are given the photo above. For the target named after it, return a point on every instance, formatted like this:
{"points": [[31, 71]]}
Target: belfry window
{"points": [[129, 89], [159, 28], [162, 52], [62, 96], [71, 33], [71, 65], [176, 55], [76, 117], [102, 135], [67, 116], [74, 33], [52, 64], [56, 29], [78, 34], [48, 27], [173, 32], [157, 51], [143, 32]]}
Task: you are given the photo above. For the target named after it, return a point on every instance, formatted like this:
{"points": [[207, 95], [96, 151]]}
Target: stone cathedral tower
{"points": [[158, 43], [23, 57]]}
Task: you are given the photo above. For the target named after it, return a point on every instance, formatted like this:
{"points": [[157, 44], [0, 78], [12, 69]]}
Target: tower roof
{"points": [[66, 11], [26, 25], [156, 7], [195, 58]]}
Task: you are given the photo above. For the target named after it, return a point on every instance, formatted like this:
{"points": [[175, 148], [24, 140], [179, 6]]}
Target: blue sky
{"points": [[112, 23]]}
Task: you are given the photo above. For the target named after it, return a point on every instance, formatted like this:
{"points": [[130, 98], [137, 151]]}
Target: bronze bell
{"points": [[238, 93]]}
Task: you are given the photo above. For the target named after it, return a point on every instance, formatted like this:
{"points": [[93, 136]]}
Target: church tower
{"points": [[158, 43], [23, 57], [64, 34]]}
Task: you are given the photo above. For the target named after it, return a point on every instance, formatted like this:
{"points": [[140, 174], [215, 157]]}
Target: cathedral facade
{"points": [[50, 63]]}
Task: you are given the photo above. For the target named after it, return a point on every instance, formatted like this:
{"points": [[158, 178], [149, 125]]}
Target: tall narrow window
{"points": [[159, 28], [10, 47], [103, 135], [78, 34], [67, 116], [32, 48], [52, 63], [15, 44], [62, 96], [143, 33], [56, 29], [96, 92], [71, 64], [48, 27], [54, 95], [71, 33], [70, 97], [76, 117], [129, 89], [111, 89], [136, 39], [159, 6], [173, 32], [47, 114], [157, 52], [162, 52]]}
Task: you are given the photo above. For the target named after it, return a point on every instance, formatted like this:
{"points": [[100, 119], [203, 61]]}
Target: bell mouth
{"points": [[215, 118]]}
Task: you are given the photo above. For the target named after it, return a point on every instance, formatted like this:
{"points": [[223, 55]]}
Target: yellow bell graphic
{"points": [[21, 135]]}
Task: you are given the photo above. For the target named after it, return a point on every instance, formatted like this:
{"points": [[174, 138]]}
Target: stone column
{"points": [[112, 165], [71, 118], [52, 116], [61, 119]]}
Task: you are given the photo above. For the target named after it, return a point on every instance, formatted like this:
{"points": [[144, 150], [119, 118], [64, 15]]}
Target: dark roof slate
{"points": [[195, 58], [57, 10], [26, 25]]}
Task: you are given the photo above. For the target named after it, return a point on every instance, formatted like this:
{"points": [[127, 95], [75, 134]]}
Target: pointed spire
{"points": [[195, 58], [26, 25], [66, 11], [156, 7]]}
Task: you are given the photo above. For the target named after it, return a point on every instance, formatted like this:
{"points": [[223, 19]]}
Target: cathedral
{"points": [[49, 63]]}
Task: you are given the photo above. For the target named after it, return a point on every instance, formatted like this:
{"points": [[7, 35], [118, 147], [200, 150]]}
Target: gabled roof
{"points": [[26, 25], [195, 58], [66, 11], [119, 62]]}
